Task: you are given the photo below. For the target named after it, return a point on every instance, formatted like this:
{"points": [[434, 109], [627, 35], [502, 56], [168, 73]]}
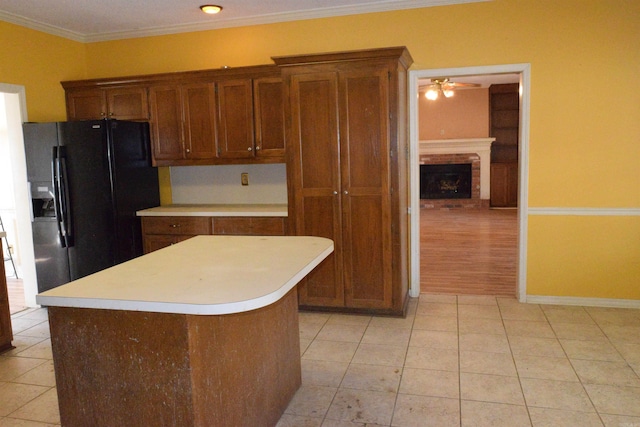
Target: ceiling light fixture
{"points": [[211, 9], [445, 87]]}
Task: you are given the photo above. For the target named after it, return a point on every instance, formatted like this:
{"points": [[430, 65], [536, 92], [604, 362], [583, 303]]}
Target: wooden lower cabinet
{"points": [[161, 231], [347, 175], [504, 185], [6, 332]]}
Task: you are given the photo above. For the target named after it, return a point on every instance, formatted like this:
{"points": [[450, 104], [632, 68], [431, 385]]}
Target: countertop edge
{"points": [[270, 210]]}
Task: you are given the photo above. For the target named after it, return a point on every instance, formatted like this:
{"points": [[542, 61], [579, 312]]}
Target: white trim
{"points": [[221, 22], [586, 211], [22, 96], [523, 186], [583, 301]]}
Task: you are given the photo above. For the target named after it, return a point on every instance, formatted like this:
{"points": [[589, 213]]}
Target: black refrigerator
{"points": [[87, 180]]}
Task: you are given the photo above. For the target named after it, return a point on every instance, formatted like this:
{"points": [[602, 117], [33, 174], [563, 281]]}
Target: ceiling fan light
{"points": [[447, 93], [431, 94], [211, 9]]}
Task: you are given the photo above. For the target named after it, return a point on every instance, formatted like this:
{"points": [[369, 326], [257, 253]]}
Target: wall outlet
{"points": [[244, 178]]}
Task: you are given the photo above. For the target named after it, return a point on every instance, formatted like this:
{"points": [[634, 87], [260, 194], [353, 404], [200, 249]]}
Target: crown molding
{"points": [[221, 23]]}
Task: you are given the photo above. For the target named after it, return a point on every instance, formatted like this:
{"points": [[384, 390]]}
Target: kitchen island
{"points": [[201, 333]]}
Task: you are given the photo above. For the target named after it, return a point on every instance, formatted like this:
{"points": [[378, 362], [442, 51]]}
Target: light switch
{"points": [[244, 178]]}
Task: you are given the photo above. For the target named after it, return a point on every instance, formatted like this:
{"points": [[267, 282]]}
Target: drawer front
{"points": [[249, 226], [176, 225]]}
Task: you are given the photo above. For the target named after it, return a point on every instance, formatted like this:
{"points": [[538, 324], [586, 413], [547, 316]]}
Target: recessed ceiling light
{"points": [[211, 9]]}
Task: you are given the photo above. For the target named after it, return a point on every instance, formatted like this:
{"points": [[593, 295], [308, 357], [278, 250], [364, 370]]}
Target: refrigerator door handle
{"points": [[61, 199]]}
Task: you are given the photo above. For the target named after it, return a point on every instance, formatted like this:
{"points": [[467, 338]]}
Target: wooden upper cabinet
{"points": [[182, 123], [235, 125], [268, 116], [127, 103]]}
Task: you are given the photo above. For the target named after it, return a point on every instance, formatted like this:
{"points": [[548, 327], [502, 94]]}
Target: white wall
{"points": [[221, 184]]}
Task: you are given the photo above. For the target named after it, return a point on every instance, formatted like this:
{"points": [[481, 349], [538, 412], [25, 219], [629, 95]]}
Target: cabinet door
{"points": [[268, 112], [128, 103], [199, 106], [504, 184], [166, 123], [235, 124], [86, 104], [315, 180], [365, 175]]}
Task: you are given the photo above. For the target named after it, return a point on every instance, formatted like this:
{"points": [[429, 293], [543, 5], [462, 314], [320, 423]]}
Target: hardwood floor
{"points": [[16, 295], [468, 251]]}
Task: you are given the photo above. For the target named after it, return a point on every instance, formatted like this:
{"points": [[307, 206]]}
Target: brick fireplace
{"points": [[475, 152]]}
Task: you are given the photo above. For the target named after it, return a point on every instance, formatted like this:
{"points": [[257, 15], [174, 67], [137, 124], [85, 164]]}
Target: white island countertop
{"points": [[205, 275], [216, 210]]}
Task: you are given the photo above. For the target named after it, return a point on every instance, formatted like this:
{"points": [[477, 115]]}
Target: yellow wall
{"points": [[585, 102]]}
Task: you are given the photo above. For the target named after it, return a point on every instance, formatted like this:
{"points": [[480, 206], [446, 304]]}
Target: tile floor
{"points": [[454, 361]]}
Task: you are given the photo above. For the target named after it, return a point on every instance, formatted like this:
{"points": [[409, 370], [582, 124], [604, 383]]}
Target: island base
{"points": [[130, 368]]}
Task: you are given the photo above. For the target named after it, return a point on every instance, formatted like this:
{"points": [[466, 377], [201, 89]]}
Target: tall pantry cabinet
{"points": [[347, 171]]}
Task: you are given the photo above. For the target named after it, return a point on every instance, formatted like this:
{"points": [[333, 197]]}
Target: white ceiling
{"points": [[99, 20]]}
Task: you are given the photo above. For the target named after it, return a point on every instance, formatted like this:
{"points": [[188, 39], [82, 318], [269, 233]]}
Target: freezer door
{"points": [[89, 192], [52, 264]]}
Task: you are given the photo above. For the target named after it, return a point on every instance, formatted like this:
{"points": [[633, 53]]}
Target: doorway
{"points": [[523, 71], [13, 113]]}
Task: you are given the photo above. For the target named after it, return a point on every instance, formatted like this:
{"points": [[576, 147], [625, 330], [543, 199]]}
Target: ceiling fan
{"points": [[443, 86]]}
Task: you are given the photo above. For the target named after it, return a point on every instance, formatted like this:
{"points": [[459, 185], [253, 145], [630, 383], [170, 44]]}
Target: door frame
{"points": [[524, 70]]}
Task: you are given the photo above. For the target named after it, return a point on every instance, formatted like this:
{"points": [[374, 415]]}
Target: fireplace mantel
{"points": [[480, 146]]}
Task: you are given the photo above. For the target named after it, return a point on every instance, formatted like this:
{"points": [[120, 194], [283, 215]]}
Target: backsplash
{"points": [[221, 184]]}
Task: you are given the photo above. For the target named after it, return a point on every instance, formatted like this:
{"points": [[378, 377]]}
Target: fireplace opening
{"points": [[445, 181]]}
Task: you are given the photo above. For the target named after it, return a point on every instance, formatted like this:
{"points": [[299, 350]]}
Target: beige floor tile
{"points": [[527, 328], [436, 323], [477, 300], [15, 422], [479, 312], [552, 394], [41, 330], [426, 382], [615, 400], [14, 396], [629, 351], [518, 311], [387, 336], [43, 375], [312, 317], [426, 411], [590, 350], [578, 331], [603, 372], [288, 420], [545, 417], [428, 298], [341, 332], [622, 334], [566, 314], [331, 350], [490, 388], [309, 330], [311, 401], [377, 354], [615, 316], [434, 339], [21, 344], [481, 326], [372, 377], [12, 367], [487, 363], [41, 350], [43, 408], [439, 359], [341, 423], [362, 406], [548, 368], [304, 345], [349, 319], [323, 373], [437, 309], [490, 343], [20, 325], [487, 414], [620, 421], [548, 347], [392, 322]]}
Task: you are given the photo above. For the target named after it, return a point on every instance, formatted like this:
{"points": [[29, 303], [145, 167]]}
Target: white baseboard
{"points": [[587, 302]]}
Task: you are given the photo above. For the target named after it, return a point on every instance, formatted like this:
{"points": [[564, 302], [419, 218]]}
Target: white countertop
{"points": [[216, 210], [208, 275]]}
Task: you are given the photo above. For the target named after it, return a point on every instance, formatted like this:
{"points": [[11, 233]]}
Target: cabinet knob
{"points": [[335, 192], [102, 114], [346, 192], [249, 149], [175, 226], [188, 150], [257, 147]]}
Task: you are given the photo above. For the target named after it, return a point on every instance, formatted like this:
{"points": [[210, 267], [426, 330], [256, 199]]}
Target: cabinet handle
{"points": [[175, 226]]}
